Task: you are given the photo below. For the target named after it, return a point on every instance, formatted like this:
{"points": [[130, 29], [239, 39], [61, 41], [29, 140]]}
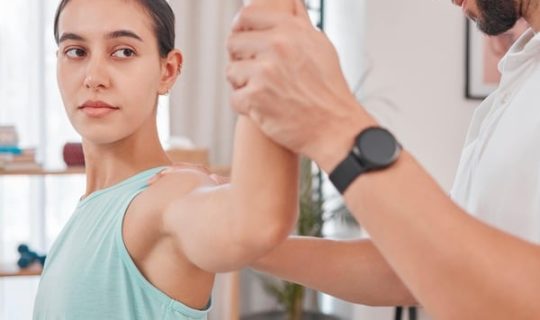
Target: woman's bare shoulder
{"points": [[173, 184], [143, 221]]}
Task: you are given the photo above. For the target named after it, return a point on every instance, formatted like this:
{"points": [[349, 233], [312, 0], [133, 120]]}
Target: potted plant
{"points": [[290, 296]]}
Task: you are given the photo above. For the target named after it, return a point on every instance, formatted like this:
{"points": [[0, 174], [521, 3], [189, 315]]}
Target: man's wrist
{"points": [[334, 147], [329, 157]]}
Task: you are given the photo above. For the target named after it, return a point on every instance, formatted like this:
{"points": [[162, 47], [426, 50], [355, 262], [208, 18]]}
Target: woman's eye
{"points": [[75, 53], [123, 53]]}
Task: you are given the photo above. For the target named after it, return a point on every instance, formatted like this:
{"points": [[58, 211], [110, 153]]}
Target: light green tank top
{"points": [[89, 274]]}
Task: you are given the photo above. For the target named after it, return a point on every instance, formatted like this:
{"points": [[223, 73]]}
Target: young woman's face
{"points": [[109, 69]]}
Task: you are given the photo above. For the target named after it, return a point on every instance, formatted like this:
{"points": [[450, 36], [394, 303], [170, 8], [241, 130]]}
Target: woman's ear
{"points": [[171, 69]]}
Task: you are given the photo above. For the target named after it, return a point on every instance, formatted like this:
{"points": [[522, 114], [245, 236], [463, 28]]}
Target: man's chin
{"points": [[494, 27], [493, 30]]}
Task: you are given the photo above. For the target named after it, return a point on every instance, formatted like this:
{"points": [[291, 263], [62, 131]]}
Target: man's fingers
{"points": [[252, 17], [180, 166], [239, 73], [249, 79], [245, 45], [300, 10], [219, 179], [277, 5], [154, 178], [241, 100]]}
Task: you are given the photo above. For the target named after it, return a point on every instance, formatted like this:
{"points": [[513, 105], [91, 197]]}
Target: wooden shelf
{"points": [[43, 172], [15, 271], [221, 170]]}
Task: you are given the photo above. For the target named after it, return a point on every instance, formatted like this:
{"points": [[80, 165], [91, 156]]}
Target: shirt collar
{"points": [[525, 47]]}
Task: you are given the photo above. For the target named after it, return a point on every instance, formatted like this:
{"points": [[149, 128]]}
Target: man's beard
{"points": [[496, 16]]}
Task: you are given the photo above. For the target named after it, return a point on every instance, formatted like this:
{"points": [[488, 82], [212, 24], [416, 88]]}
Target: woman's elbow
{"points": [[263, 237]]}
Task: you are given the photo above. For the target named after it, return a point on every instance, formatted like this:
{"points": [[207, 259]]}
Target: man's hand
{"points": [[287, 78], [178, 167]]}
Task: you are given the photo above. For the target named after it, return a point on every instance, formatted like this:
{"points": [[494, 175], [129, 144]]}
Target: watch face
{"points": [[376, 148]]}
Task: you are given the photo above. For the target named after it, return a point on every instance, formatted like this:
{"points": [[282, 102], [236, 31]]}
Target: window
{"points": [[34, 209]]}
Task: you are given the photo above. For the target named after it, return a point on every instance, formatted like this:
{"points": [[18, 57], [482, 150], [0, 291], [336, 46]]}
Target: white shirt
{"points": [[498, 178]]}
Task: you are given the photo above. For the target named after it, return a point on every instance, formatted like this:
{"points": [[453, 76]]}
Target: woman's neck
{"points": [[109, 164]]}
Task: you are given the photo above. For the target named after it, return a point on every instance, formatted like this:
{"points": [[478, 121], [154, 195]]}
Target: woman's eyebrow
{"points": [[70, 36], [112, 35], [123, 33]]}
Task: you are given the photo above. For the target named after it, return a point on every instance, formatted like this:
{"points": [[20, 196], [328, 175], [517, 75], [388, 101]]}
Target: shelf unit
{"points": [[43, 172], [221, 170], [15, 271], [12, 270]]}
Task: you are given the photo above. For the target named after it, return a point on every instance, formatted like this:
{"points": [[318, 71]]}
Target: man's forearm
{"points": [[457, 267], [350, 270]]}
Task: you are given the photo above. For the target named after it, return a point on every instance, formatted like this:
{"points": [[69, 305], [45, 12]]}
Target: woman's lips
{"points": [[97, 109]]}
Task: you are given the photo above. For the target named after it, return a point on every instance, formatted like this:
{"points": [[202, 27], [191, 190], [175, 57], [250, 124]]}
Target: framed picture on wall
{"points": [[483, 54]]}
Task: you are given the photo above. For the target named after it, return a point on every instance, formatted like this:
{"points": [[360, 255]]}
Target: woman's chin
{"points": [[101, 138]]}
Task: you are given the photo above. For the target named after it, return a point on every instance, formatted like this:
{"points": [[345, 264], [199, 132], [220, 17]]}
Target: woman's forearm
{"points": [[264, 178], [225, 227], [264, 188], [350, 270]]}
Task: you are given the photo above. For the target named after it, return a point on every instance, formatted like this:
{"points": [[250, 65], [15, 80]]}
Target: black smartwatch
{"points": [[374, 148]]}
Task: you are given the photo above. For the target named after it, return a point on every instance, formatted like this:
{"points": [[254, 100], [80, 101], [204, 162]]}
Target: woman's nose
{"points": [[96, 75]]}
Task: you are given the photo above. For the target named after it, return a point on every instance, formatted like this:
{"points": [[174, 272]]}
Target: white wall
{"points": [[415, 51], [200, 100]]}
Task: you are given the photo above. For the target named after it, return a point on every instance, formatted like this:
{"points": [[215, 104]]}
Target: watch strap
{"points": [[346, 172]]}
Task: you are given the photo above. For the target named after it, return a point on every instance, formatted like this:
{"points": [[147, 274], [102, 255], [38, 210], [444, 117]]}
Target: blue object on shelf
{"points": [[28, 257], [23, 248], [11, 150]]}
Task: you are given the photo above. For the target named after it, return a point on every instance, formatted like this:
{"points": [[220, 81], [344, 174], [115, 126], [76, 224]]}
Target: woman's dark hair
{"points": [[162, 17]]}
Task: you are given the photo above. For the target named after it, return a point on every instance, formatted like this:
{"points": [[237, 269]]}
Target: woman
{"points": [[136, 252]]}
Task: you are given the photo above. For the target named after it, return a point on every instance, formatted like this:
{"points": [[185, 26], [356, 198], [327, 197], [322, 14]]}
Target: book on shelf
{"points": [[20, 155], [8, 135], [7, 149], [12, 156], [21, 166], [23, 161]]}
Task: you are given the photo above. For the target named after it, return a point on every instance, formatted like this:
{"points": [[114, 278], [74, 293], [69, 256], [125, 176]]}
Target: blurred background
{"points": [[405, 60]]}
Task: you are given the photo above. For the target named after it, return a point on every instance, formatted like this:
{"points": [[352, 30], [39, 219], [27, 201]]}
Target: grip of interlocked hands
{"points": [[278, 5]]}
